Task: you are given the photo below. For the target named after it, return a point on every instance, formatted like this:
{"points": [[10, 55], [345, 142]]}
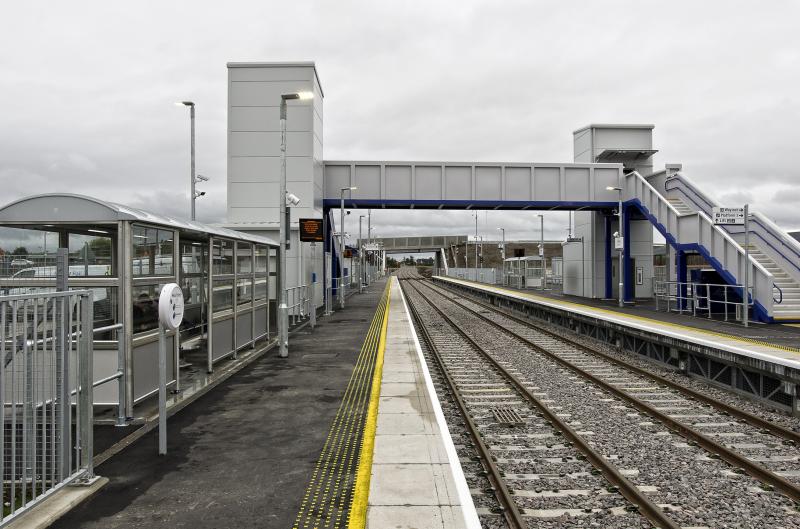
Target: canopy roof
{"points": [[65, 208]]}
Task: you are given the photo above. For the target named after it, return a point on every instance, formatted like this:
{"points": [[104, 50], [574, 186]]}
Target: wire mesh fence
{"points": [[46, 383]]}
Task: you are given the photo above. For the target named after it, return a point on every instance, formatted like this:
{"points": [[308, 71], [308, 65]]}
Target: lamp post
{"points": [[369, 237], [541, 248], [192, 178], [283, 309], [342, 243], [503, 256], [360, 257], [476, 245], [622, 247]]}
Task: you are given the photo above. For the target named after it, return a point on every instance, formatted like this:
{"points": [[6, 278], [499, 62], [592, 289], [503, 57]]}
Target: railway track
{"points": [[665, 470]]}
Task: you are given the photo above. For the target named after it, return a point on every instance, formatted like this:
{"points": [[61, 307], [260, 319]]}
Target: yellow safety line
{"points": [[357, 518], [633, 317], [337, 451]]}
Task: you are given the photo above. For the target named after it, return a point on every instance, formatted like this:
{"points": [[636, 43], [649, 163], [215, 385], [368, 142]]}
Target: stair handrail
{"points": [[778, 300], [771, 227], [704, 218]]}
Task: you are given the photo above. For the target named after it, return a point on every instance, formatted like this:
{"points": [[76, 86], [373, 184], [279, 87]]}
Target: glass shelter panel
{"points": [[145, 307], [90, 255], [152, 251], [27, 253], [244, 258], [222, 253]]}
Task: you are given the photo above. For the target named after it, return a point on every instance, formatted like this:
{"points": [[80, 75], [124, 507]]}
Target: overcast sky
{"points": [[87, 92]]}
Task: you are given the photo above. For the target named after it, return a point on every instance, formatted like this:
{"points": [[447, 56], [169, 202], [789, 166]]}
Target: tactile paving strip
{"points": [[329, 494]]}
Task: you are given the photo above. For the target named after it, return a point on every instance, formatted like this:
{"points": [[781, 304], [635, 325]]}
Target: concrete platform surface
{"points": [[416, 479], [755, 342], [242, 454]]}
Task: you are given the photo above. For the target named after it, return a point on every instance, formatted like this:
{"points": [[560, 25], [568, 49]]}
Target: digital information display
{"points": [[311, 230]]}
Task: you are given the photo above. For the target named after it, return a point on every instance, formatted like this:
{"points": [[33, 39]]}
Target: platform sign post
{"points": [[170, 316], [739, 217], [312, 310]]}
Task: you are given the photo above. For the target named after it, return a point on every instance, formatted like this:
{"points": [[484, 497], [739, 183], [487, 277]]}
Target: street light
{"points": [[193, 180], [503, 256], [360, 256], [541, 248], [621, 250], [283, 309], [342, 191], [475, 214]]}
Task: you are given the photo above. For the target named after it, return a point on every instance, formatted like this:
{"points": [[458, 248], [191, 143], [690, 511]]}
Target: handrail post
{"points": [[86, 381]]}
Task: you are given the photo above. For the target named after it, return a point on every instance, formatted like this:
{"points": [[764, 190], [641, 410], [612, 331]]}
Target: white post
{"points": [[283, 310], [746, 296], [341, 250], [162, 390], [313, 308]]}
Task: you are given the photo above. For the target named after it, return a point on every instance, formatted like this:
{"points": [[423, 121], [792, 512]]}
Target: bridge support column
{"points": [[609, 286], [626, 257], [681, 271]]}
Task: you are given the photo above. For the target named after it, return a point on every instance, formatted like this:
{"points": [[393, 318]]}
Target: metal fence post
{"points": [[62, 366], [86, 376]]}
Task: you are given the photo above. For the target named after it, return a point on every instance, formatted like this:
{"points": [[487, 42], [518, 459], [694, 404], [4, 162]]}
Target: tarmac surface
{"points": [[241, 455]]}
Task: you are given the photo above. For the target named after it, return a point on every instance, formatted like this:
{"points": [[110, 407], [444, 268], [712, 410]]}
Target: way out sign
{"points": [[728, 216]]}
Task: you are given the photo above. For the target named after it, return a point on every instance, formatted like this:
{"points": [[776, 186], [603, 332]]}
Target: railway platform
{"points": [[243, 454], [761, 361], [346, 432]]}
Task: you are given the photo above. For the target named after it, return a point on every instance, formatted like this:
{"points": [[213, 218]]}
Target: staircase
{"points": [[772, 247], [680, 205], [689, 229], [789, 307]]}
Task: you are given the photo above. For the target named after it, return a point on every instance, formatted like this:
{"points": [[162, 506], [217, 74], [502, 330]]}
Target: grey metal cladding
{"points": [[546, 183], [488, 182], [398, 182], [428, 181], [458, 182]]}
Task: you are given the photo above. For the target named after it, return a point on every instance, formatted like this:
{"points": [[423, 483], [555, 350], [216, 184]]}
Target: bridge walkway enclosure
{"points": [[553, 187]]}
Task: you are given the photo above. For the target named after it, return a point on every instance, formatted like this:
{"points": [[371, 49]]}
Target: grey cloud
{"points": [[87, 93]]}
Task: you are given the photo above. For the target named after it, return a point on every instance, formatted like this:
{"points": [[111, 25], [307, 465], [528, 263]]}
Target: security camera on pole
{"points": [[283, 309]]}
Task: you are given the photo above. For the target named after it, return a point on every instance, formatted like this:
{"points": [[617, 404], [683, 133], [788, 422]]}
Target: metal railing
{"points": [[46, 359], [702, 298], [299, 303]]}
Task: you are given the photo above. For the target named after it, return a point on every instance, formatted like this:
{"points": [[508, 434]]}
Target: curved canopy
{"points": [[60, 208]]}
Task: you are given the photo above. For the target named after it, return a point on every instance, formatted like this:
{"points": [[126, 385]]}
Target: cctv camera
{"points": [[202, 178], [292, 199]]}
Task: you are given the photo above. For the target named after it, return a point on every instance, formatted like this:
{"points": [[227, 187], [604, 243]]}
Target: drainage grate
{"points": [[507, 416]]}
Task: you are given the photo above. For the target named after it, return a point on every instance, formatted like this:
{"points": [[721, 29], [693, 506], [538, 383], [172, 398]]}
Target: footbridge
{"points": [[574, 186]]}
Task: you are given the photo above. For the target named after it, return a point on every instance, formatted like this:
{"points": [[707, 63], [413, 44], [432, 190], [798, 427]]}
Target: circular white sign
{"points": [[170, 306]]}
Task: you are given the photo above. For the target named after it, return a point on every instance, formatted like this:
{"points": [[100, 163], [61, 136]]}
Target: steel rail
{"points": [[645, 506], [733, 458], [510, 510], [754, 420]]}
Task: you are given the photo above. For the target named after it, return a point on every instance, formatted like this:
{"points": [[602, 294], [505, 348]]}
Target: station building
{"points": [[612, 165]]}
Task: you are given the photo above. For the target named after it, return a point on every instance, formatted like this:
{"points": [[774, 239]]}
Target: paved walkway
{"points": [[416, 479], [242, 455]]}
